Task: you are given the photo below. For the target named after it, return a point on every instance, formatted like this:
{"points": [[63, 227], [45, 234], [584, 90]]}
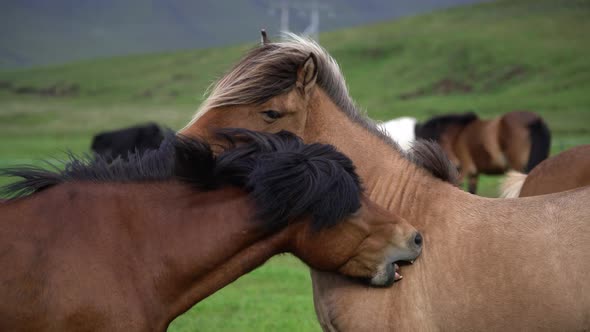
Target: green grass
{"points": [[524, 54], [275, 297]]}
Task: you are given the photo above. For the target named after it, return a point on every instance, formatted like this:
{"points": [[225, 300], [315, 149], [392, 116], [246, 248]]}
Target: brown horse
{"points": [[488, 264], [565, 171], [516, 140], [132, 245]]}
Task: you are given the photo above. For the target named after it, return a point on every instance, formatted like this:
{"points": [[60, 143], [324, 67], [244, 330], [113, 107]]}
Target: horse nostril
{"points": [[418, 239]]}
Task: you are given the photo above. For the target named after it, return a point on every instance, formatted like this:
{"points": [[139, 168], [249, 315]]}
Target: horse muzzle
{"points": [[388, 273]]}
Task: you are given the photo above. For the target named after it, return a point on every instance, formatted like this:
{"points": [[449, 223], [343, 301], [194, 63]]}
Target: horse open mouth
{"points": [[388, 275], [397, 276], [396, 268]]}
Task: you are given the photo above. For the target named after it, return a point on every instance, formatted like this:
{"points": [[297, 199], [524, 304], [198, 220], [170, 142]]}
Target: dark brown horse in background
{"points": [[517, 140], [131, 245], [121, 142], [565, 171]]}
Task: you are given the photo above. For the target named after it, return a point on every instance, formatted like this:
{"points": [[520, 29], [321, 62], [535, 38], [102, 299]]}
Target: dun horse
{"points": [[130, 246], [565, 171], [488, 264], [517, 140]]}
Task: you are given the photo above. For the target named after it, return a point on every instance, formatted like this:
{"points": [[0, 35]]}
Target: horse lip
{"points": [[408, 258], [392, 267], [384, 279], [398, 263]]}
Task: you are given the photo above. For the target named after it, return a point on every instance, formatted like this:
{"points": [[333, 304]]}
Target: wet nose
{"points": [[418, 239]]}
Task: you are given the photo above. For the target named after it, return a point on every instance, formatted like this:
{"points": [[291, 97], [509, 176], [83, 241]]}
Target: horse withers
{"points": [[131, 245], [488, 264], [567, 170], [517, 140]]}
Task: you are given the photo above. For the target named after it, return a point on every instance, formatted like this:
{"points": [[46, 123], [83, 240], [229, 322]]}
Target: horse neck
{"points": [[204, 242], [390, 180]]}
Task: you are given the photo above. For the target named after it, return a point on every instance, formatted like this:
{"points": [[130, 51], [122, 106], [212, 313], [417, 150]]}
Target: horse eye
{"points": [[272, 115]]}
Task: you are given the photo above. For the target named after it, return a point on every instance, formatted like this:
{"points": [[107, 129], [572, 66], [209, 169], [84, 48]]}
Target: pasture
{"points": [[491, 58]]}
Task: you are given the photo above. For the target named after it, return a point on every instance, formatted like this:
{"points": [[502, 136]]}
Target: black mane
{"points": [[151, 165], [435, 126], [286, 178], [430, 156]]}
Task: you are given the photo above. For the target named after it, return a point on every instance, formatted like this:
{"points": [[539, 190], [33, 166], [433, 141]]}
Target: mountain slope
{"points": [[39, 32], [534, 50]]}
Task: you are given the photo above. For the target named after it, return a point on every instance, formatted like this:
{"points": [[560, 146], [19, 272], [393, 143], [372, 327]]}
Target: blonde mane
{"points": [[270, 70]]}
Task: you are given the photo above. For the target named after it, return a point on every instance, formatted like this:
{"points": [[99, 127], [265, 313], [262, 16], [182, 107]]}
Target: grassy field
{"points": [[491, 58]]}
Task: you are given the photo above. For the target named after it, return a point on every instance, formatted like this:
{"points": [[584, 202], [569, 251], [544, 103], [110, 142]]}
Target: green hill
{"points": [[492, 58], [36, 32]]}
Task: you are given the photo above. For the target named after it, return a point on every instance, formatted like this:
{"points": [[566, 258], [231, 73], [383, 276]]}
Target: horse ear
{"points": [[307, 74], [264, 38]]}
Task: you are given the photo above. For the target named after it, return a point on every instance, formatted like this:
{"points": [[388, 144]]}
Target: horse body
{"points": [[480, 272], [517, 140], [488, 264], [97, 264], [524, 139], [568, 170], [474, 244], [107, 263], [484, 154], [112, 256], [121, 142]]}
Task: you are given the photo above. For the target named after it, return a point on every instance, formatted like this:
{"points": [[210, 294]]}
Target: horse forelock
{"points": [[289, 179]]}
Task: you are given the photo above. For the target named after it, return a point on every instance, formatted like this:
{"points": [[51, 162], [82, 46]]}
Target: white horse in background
{"points": [[401, 130]]}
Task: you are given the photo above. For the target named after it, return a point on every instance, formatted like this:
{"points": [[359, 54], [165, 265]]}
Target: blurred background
{"points": [[39, 32], [69, 69]]}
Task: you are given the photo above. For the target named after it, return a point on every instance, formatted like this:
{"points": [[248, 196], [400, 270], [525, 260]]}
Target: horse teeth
{"points": [[412, 262], [398, 276]]}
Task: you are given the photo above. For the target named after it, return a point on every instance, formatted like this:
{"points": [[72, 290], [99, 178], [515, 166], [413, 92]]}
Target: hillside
{"points": [[38, 32], [492, 58]]}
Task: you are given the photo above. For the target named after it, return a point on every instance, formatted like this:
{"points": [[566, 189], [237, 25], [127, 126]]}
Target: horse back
{"points": [[478, 143], [567, 170], [525, 139]]}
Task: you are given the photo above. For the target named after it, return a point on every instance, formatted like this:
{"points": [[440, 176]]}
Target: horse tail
{"points": [[512, 184], [540, 143]]}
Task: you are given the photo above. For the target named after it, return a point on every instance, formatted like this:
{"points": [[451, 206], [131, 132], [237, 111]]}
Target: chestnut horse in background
{"points": [[487, 264], [517, 140], [565, 171], [131, 245]]}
